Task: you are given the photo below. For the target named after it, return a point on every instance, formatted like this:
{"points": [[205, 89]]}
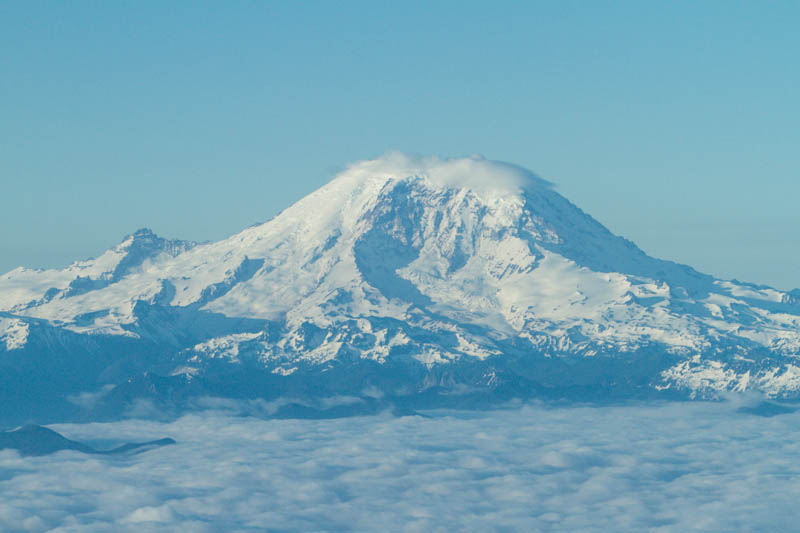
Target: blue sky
{"points": [[675, 124]]}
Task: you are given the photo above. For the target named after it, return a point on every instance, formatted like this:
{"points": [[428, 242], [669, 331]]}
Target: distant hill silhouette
{"points": [[35, 440]]}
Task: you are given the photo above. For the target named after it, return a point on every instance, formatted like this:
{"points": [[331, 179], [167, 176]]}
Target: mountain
{"points": [[38, 440], [416, 281]]}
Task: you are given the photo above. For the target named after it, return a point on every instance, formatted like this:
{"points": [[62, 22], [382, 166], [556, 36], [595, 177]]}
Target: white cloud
{"points": [[673, 466], [89, 399], [477, 173]]}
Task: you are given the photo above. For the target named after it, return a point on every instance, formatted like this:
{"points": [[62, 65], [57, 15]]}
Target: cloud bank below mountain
{"points": [[675, 466]]}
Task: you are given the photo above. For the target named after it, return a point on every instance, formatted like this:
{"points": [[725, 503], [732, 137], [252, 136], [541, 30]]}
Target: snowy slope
{"points": [[423, 263]]}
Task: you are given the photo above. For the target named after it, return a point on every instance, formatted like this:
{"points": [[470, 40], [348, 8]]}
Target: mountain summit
{"points": [[405, 277]]}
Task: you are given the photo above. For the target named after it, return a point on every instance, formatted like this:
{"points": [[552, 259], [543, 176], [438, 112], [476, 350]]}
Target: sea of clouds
{"points": [[674, 466]]}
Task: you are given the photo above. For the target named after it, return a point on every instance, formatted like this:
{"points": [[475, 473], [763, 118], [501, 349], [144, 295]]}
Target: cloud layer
{"points": [[477, 173], [673, 466]]}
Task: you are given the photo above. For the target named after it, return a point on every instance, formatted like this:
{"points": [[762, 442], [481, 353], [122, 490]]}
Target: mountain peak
{"points": [[146, 241], [142, 233], [142, 237], [144, 244]]}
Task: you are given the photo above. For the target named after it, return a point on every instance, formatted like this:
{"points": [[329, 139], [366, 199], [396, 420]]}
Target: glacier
{"points": [[406, 281]]}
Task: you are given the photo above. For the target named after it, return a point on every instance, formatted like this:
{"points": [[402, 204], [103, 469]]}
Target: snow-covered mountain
{"points": [[401, 277]]}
